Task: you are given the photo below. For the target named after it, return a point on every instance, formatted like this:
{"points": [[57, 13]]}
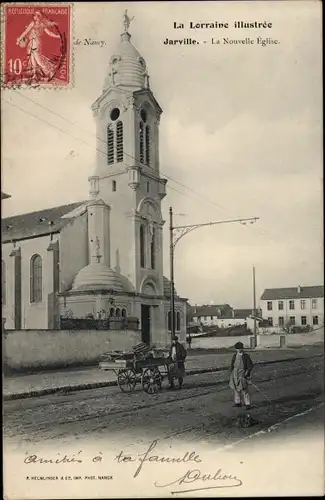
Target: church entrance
{"points": [[145, 323]]}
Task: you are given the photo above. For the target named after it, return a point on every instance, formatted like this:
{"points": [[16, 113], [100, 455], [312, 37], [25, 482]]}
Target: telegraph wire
{"points": [[134, 159], [100, 151], [167, 176]]}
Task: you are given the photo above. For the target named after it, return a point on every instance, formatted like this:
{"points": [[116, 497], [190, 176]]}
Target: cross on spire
{"points": [[111, 74]]}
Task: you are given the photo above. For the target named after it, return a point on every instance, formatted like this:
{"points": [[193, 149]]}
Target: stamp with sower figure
{"points": [[37, 45]]}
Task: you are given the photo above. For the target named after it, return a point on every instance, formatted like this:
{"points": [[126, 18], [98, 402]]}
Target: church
{"points": [[101, 257]]}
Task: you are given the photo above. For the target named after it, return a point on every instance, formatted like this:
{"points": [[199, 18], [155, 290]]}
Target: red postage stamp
{"points": [[37, 44]]}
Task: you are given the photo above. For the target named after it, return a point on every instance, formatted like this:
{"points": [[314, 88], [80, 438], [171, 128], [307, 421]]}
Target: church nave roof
{"points": [[39, 223]]}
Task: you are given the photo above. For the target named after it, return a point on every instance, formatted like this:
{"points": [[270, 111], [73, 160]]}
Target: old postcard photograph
{"points": [[162, 249]]}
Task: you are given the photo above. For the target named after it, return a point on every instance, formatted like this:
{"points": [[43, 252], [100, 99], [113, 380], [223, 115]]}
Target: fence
{"points": [[99, 324], [264, 341]]}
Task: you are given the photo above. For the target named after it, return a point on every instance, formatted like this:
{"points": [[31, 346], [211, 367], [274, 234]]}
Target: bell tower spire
{"points": [[127, 166]]}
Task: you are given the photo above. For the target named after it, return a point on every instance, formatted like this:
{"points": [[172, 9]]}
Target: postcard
{"points": [[162, 299]]}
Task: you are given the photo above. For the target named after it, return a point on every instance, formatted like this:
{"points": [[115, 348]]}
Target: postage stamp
{"points": [[36, 45]]}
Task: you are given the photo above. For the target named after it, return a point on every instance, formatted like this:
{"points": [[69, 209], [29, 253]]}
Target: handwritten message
{"points": [[195, 478]]}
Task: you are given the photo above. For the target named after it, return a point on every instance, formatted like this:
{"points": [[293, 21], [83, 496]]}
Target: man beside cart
{"points": [[177, 355]]}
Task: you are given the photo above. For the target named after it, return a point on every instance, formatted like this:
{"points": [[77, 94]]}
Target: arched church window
{"points": [[142, 246], [36, 278], [111, 312], [110, 145], [114, 186], [118, 312], [178, 321], [148, 145], [141, 141], [153, 249], [119, 142], [123, 313], [4, 282], [148, 187]]}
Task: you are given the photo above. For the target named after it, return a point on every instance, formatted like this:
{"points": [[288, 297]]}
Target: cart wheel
{"points": [[151, 380], [126, 380]]}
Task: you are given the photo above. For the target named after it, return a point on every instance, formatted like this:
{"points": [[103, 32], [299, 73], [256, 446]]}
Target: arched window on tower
{"points": [[153, 249], [119, 142], [147, 145], [3, 282], [141, 141], [178, 321], [110, 145], [142, 246], [114, 186], [36, 278]]}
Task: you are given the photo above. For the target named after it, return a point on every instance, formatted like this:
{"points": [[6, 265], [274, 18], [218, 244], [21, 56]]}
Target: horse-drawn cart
{"points": [[138, 366]]}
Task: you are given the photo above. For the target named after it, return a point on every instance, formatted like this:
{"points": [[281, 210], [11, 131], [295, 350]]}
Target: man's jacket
{"points": [[180, 352], [248, 363]]}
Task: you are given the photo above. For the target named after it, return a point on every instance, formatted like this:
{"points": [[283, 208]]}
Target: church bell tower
{"points": [[127, 174]]}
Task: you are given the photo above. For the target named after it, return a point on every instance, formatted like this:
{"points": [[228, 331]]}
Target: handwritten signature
{"points": [[189, 456], [219, 479], [195, 475]]}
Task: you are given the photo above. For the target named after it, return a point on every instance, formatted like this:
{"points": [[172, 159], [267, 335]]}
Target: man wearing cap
{"points": [[177, 354], [241, 367]]}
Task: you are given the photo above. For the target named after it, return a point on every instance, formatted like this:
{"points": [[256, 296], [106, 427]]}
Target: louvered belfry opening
{"points": [[119, 142], [110, 145]]}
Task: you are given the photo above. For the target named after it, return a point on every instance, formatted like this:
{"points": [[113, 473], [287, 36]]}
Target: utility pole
{"points": [[183, 230], [172, 289], [254, 305]]}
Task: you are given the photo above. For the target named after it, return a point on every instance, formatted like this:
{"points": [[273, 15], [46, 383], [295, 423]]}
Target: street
{"points": [[104, 434], [201, 411]]}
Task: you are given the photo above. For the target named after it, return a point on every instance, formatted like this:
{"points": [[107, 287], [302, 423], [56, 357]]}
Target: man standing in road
{"points": [[177, 354], [241, 367]]}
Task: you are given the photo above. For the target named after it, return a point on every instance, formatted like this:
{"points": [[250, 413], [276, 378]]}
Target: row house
{"points": [[295, 306], [222, 316]]}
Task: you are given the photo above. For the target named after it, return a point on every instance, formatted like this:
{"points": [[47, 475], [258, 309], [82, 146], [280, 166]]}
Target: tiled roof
{"points": [[19, 227], [237, 313], [303, 292], [210, 310]]}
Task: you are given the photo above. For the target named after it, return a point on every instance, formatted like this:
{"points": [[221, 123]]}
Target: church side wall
{"points": [[33, 315], [35, 349], [73, 250], [8, 308]]}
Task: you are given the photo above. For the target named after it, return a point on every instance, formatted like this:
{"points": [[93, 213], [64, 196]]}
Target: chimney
{"points": [[299, 288], [233, 313]]}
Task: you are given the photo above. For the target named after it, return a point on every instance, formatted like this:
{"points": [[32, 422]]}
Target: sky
{"points": [[240, 136]]}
